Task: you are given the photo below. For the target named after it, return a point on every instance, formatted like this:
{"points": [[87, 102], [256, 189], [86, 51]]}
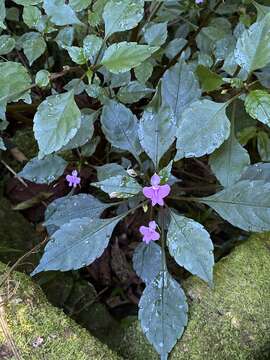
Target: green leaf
{"points": [[2, 14], [79, 5], [89, 148], [42, 78], [7, 44], [208, 79], [120, 186], [253, 46], [163, 313], [44, 171], [109, 170], [229, 161], [263, 145], [33, 46], [144, 71], [84, 133], [179, 88], [191, 246], [61, 211], [257, 104], [14, 82], [27, 2], [165, 173], [245, 204], [133, 92], [259, 171], [155, 33], [77, 85], [123, 56], [120, 127], [147, 261], [122, 15], [77, 54], [203, 128], [2, 145], [60, 13], [91, 46], [157, 133], [261, 10], [31, 16], [77, 244], [56, 121], [65, 37]]}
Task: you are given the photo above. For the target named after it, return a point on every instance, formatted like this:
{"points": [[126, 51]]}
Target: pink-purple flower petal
{"points": [[149, 233]]}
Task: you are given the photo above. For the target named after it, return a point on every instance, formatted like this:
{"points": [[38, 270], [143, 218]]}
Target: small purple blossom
{"points": [[149, 233], [73, 179], [156, 192], [199, 1]]}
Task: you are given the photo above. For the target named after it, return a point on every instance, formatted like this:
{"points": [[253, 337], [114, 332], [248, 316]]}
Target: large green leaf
{"points": [[133, 92], [155, 33], [27, 2], [163, 313], [119, 186], [79, 5], [261, 10], [2, 14], [253, 46], [123, 56], [263, 145], [109, 170], [85, 131], [14, 82], [31, 15], [180, 88], [122, 15], [209, 80], [44, 171], [33, 46], [61, 211], [257, 104], [191, 246], [245, 204], [120, 127], [229, 161], [157, 133], [259, 171], [91, 46], [60, 13], [7, 44], [56, 122], [147, 261], [203, 128], [76, 54], [77, 244]]}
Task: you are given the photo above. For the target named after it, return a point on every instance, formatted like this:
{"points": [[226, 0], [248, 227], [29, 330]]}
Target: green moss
{"points": [[229, 322], [29, 316]]}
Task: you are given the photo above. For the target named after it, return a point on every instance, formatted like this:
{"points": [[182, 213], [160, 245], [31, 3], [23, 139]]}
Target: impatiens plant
{"points": [[153, 85]]}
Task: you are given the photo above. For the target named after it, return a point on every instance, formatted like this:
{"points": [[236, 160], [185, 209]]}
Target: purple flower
{"points": [[73, 179], [199, 1], [156, 192], [149, 233]]}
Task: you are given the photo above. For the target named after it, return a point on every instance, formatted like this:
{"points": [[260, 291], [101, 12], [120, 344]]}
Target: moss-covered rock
{"points": [[41, 331], [230, 322]]}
